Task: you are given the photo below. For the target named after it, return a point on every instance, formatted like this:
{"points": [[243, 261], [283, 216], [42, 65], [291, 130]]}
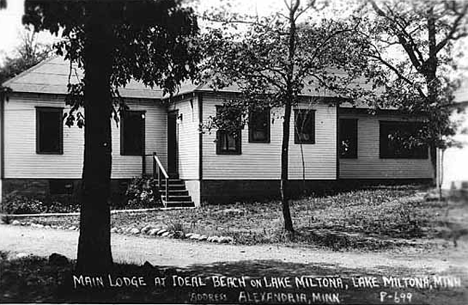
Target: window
{"points": [[228, 143], [132, 133], [259, 126], [49, 131], [348, 138], [304, 126], [398, 140]]}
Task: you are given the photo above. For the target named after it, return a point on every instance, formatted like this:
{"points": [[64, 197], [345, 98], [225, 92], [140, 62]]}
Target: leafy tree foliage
{"points": [[29, 54], [277, 59], [413, 44], [113, 41]]}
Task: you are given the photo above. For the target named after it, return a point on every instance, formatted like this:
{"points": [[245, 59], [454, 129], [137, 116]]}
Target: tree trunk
{"points": [[94, 249], [288, 225], [430, 72], [284, 188]]}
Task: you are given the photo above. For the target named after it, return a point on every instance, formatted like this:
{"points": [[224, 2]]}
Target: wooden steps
{"points": [[178, 194]]}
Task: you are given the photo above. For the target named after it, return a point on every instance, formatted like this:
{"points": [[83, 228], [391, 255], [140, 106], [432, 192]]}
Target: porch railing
{"points": [[159, 171], [157, 166]]}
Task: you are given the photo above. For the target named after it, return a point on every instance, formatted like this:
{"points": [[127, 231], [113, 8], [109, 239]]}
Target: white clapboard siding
{"points": [[188, 142], [22, 161], [368, 165], [155, 141], [455, 159], [262, 161]]}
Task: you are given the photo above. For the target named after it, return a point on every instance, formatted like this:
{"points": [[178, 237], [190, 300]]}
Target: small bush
{"points": [[142, 192], [22, 205], [60, 207], [176, 227], [18, 204]]}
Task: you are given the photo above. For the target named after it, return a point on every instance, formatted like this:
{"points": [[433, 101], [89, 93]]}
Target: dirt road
{"points": [[181, 253]]}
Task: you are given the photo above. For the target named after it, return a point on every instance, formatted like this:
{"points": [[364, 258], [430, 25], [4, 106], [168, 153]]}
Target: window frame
{"points": [[142, 114], [38, 128], [267, 128], [238, 143], [297, 140], [354, 153], [238, 139], [383, 142]]}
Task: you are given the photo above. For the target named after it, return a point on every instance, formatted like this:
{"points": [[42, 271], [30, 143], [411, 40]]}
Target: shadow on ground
{"points": [[34, 279]]}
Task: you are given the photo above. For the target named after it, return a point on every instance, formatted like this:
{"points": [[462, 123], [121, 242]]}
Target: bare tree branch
{"points": [[402, 35], [453, 30], [319, 50], [302, 11], [398, 73], [377, 9]]}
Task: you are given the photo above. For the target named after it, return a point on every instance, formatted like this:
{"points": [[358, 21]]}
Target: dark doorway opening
{"points": [[172, 144]]}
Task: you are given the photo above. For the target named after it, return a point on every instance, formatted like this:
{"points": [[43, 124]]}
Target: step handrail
{"points": [[157, 166]]}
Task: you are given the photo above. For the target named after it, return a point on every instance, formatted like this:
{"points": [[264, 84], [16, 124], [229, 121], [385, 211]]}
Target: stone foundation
{"points": [[63, 190], [212, 191], [231, 191], [347, 184]]}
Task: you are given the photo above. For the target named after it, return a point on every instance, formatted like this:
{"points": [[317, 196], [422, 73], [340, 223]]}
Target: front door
{"points": [[172, 143]]}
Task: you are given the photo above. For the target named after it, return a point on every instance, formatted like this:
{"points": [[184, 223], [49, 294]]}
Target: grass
{"points": [[374, 218]]}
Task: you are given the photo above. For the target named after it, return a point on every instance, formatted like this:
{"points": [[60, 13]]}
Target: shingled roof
{"points": [[51, 77]]}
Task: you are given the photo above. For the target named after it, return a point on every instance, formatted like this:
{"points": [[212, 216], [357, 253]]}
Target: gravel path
{"points": [[183, 253]]}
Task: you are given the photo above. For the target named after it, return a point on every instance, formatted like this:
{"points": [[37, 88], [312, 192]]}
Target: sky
{"points": [[10, 21], [11, 27]]}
